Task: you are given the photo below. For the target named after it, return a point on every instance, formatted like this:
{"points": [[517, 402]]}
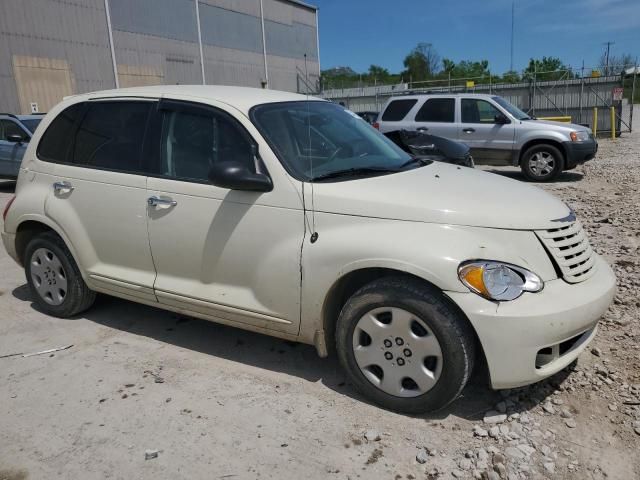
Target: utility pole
{"points": [[512, 29], [606, 69]]}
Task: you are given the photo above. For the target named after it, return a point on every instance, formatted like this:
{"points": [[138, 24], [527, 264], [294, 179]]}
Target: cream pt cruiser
{"points": [[290, 216]]}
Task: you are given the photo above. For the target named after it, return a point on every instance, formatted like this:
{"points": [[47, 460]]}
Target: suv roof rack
{"points": [[436, 92]]}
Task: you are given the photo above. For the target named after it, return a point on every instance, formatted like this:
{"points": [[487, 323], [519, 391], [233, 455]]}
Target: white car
{"points": [[290, 216]]}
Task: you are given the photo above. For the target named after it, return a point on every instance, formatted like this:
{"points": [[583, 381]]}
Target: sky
{"points": [[358, 33]]}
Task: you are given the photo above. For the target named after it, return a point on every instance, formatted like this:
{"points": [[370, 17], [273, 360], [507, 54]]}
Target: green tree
{"points": [[466, 68], [548, 68], [422, 63], [378, 74], [509, 77]]}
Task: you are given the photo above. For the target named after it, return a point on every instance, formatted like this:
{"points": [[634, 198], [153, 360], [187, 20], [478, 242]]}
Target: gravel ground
{"points": [[144, 393]]}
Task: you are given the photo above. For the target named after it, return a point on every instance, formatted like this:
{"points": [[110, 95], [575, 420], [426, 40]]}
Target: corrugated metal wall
{"points": [[49, 32], [155, 41]]}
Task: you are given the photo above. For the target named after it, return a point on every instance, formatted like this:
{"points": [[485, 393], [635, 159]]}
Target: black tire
{"points": [[543, 148], [78, 296], [442, 317]]}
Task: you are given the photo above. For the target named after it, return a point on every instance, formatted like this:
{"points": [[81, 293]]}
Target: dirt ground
{"points": [[217, 402]]}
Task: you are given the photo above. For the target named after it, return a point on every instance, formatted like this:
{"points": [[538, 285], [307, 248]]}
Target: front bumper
{"points": [[580, 152], [539, 334]]}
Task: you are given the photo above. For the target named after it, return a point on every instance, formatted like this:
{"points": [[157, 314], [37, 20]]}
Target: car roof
{"points": [[243, 98], [38, 116]]}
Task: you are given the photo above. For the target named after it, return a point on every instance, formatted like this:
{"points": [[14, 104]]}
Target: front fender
{"points": [[429, 251]]}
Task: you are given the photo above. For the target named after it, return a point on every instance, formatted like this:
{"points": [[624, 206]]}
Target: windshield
{"points": [[31, 124], [314, 139], [513, 110]]}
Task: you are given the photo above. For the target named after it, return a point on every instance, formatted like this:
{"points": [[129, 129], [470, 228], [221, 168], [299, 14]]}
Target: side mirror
{"points": [[235, 176], [501, 119], [15, 138]]}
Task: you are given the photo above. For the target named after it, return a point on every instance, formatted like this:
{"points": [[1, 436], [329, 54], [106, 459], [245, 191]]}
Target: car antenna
{"points": [[314, 233]]}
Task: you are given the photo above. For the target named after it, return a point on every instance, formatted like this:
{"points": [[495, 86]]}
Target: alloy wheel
{"points": [[542, 163]]}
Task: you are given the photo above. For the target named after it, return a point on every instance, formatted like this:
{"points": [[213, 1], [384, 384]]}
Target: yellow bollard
{"points": [[595, 121], [613, 123]]}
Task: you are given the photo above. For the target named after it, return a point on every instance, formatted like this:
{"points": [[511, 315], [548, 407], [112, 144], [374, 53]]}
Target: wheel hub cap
{"points": [[542, 163], [48, 276], [397, 352]]}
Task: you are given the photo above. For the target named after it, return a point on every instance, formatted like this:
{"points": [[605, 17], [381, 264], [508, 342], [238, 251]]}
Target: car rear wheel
{"points": [[542, 163], [54, 278], [404, 345]]}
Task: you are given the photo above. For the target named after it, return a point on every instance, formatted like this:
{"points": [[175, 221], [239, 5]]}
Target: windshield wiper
{"points": [[414, 159], [354, 172]]}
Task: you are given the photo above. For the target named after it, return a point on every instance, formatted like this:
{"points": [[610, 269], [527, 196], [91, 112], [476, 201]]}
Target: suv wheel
{"points": [[54, 278], [404, 345], [542, 163]]}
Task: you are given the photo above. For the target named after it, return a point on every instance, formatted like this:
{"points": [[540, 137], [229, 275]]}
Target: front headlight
{"points": [[581, 136], [497, 280]]}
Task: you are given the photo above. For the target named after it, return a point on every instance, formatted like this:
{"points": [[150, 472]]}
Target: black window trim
{"points": [[84, 106], [196, 108], [444, 97]]}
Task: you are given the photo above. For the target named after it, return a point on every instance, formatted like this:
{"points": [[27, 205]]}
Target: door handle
{"points": [[62, 187], [421, 129], [469, 130], [156, 201]]}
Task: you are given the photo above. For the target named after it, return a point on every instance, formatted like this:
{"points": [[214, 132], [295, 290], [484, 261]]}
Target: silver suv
{"points": [[497, 132]]}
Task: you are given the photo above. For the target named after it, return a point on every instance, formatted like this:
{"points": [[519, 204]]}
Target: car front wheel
{"points": [[542, 163], [404, 345]]}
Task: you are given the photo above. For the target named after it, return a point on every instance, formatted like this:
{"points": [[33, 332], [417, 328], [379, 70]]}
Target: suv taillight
{"points": [[376, 125], [6, 208]]}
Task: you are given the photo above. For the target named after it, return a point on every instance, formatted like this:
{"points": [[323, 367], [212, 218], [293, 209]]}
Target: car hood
{"points": [[446, 194], [569, 127]]}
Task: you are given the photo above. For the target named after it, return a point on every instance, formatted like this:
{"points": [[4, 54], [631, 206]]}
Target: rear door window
{"points": [[437, 110], [111, 136], [55, 143], [398, 109]]}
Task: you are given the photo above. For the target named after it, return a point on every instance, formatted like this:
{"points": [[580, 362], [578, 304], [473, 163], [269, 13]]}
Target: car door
{"points": [[483, 129], [437, 116], [11, 153], [231, 255], [98, 195]]}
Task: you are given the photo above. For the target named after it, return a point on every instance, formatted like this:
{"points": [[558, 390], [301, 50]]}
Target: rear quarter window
{"points": [[398, 109], [56, 140]]}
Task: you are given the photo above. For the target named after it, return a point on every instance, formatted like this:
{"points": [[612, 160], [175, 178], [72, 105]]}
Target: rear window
{"points": [[441, 110], [54, 145], [397, 110]]}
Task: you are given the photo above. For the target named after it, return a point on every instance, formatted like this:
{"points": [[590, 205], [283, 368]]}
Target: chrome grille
{"points": [[570, 249]]}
